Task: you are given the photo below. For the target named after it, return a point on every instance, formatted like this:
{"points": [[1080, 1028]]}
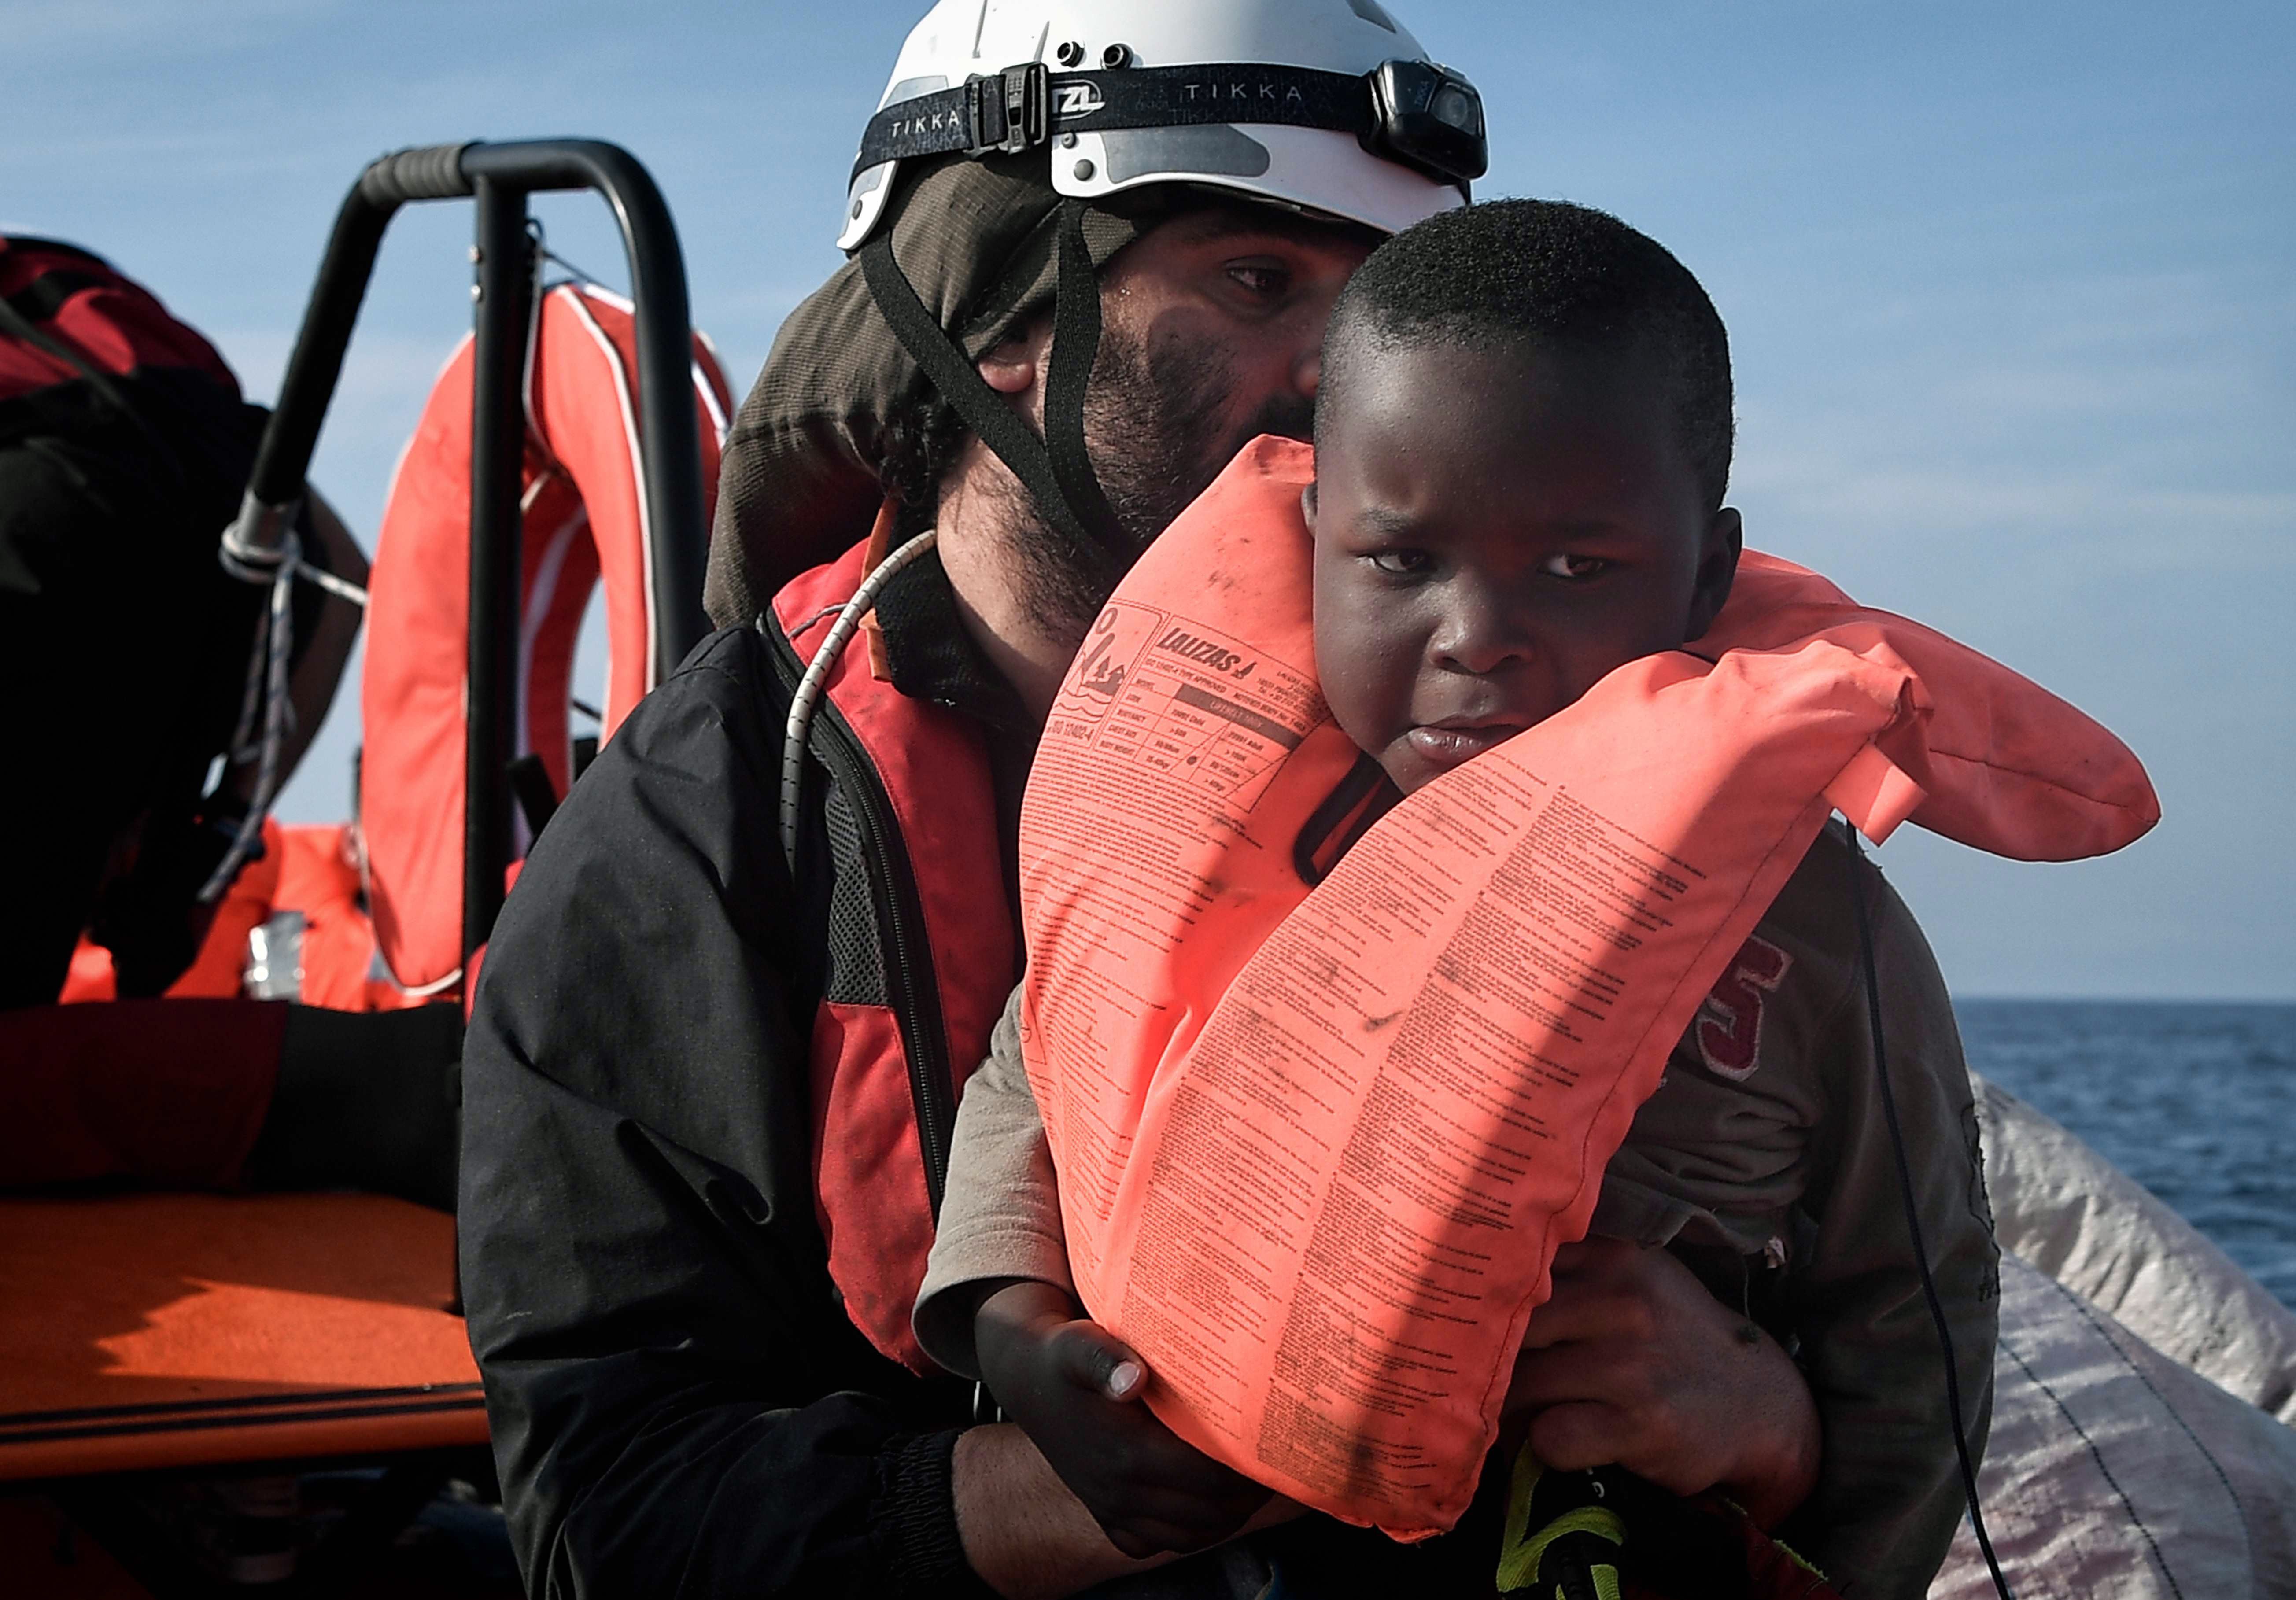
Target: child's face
{"points": [[1495, 531]]}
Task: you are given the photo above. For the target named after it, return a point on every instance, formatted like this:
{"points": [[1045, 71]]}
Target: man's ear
{"points": [[1014, 362], [1009, 368], [1308, 504], [1717, 569]]}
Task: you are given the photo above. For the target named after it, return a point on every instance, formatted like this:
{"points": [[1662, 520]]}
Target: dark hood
{"points": [[801, 480]]}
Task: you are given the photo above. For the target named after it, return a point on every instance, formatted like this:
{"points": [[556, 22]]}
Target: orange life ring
{"points": [[585, 520]]}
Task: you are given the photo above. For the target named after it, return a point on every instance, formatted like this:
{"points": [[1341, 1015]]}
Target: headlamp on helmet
{"points": [[1424, 116], [1329, 107], [1429, 117]]}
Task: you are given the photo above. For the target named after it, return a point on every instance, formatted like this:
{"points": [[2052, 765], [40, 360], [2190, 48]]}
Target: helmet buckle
{"points": [[1009, 111]]}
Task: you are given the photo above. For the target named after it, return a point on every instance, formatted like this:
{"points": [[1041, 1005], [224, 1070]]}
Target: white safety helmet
{"points": [[1329, 106]]}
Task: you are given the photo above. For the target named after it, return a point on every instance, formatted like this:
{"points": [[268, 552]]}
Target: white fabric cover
{"points": [[2078, 1219], [2130, 1459], [2115, 1473]]}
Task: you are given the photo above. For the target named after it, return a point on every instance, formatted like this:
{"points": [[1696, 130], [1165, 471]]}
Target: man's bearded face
{"points": [[1159, 423]]}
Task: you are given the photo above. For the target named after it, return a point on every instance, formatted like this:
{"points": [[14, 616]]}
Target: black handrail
{"points": [[500, 178]]}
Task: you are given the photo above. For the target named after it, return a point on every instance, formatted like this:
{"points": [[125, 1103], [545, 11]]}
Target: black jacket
{"points": [[679, 1404]]}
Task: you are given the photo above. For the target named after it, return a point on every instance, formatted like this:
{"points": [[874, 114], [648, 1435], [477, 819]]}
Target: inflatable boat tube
{"points": [[2115, 1473], [2081, 1221], [2129, 1458]]}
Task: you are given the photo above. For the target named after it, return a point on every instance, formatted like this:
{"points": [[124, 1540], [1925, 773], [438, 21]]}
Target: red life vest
{"points": [[889, 1060], [83, 347]]}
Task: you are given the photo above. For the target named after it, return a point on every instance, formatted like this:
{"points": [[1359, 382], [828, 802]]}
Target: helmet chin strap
{"points": [[1054, 469]]}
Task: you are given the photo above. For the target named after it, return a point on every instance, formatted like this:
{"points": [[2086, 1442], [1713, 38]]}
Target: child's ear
{"points": [[1717, 569], [1308, 504]]}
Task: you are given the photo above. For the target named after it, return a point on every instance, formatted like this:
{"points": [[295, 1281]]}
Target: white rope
{"points": [[810, 687], [255, 563], [250, 703], [341, 588], [414, 991]]}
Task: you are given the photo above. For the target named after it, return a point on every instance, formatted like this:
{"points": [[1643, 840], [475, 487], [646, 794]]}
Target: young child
{"points": [[1524, 440]]}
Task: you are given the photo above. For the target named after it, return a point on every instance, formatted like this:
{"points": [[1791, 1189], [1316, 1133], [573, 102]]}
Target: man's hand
{"points": [[1076, 1390], [1633, 1362]]}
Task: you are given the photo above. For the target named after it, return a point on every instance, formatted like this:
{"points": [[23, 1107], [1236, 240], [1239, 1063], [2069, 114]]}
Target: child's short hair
{"points": [[1514, 272]]}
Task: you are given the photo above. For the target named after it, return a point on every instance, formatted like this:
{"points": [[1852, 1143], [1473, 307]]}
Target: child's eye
{"points": [[1403, 563], [1577, 568]]}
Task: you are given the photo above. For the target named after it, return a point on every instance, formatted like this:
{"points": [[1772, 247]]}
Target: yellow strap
{"points": [[1521, 1548], [1799, 1560], [1522, 1481]]}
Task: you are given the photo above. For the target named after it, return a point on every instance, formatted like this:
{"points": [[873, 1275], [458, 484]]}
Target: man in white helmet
{"points": [[713, 1064]]}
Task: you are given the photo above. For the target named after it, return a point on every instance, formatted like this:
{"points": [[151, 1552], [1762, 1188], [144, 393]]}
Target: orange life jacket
{"points": [[921, 968], [1318, 1140]]}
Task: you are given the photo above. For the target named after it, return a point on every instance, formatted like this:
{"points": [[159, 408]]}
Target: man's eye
{"points": [[1574, 568], [1266, 281], [1403, 563]]}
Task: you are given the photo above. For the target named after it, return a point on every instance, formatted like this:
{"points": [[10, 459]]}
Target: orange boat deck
{"points": [[153, 1330]]}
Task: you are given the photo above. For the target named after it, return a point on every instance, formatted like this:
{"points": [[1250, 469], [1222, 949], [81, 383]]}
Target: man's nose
{"points": [[1307, 371]]}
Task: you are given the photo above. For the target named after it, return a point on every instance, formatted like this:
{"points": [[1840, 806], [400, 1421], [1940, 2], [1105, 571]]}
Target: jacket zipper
{"points": [[900, 921]]}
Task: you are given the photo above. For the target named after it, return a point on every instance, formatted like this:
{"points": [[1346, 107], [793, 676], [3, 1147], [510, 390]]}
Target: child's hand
{"points": [[1075, 1388], [1632, 1361]]}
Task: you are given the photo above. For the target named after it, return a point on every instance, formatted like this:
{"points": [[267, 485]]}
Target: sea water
{"points": [[2195, 1102]]}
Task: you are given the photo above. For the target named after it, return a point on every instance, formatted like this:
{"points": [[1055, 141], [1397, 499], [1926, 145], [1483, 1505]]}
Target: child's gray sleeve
{"points": [[1000, 1216], [1889, 1492]]}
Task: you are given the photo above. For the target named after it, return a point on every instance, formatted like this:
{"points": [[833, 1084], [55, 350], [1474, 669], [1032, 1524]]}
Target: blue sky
{"points": [[2012, 291]]}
